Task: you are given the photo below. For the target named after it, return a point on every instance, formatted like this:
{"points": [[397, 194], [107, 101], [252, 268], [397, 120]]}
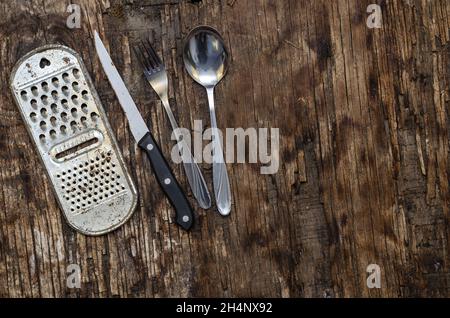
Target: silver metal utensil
{"points": [[146, 141], [156, 75], [206, 60]]}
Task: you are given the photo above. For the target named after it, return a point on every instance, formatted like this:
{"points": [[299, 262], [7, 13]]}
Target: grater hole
{"points": [[23, 94], [54, 107], [44, 86], [33, 116], [55, 81], [52, 133], [76, 72], [65, 77], [84, 107], [44, 99], [74, 112], [54, 94], [84, 94], [33, 103], [34, 90], [73, 125], [83, 120], [94, 116], [53, 120], [64, 103], [64, 116], [42, 137], [44, 112], [74, 98], [65, 90], [75, 86]]}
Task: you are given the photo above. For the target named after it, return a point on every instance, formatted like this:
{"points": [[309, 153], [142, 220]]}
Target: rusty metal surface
{"points": [[68, 125]]}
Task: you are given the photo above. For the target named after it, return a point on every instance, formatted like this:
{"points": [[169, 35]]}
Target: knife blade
{"points": [[145, 140], [138, 126]]}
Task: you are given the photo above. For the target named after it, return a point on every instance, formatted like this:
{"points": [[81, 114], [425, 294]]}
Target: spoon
{"points": [[206, 60]]}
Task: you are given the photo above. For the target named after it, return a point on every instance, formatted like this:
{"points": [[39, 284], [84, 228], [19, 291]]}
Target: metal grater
{"points": [[64, 116]]}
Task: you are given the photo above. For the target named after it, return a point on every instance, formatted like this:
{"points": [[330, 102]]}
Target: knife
{"points": [[146, 141]]}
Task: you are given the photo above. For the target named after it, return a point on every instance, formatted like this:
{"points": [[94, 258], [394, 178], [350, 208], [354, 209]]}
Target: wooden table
{"points": [[363, 115]]}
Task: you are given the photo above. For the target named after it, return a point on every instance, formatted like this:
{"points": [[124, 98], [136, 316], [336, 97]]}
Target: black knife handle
{"points": [[168, 182]]}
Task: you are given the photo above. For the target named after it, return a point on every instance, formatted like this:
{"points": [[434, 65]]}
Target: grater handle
{"points": [[168, 182]]}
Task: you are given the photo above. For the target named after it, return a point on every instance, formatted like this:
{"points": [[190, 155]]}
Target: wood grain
{"points": [[364, 171]]}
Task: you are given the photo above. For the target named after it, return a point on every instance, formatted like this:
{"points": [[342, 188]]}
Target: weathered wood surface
{"points": [[364, 177]]}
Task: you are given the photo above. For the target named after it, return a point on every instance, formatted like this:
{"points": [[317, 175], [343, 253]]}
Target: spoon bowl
{"points": [[205, 56]]}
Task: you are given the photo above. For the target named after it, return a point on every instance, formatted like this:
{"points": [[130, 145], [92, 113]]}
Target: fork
{"points": [[156, 75]]}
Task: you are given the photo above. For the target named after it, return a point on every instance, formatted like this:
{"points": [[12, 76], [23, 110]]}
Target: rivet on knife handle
{"points": [[168, 182]]}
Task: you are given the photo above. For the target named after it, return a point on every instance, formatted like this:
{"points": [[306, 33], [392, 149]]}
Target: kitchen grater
{"points": [[65, 119]]}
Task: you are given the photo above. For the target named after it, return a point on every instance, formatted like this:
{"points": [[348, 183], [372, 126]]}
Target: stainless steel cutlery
{"points": [[206, 60], [156, 75], [68, 125], [145, 140]]}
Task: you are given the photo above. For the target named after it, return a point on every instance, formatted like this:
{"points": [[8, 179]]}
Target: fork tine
{"points": [[152, 53], [148, 57], [151, 65], [141, 57]]}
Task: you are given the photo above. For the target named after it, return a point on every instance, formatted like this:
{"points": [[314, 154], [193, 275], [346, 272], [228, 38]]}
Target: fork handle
{"points": [[168, 182], [191, 168]]}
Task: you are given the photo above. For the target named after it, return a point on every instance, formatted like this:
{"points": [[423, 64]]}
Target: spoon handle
{"points": [[220, 176]]}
